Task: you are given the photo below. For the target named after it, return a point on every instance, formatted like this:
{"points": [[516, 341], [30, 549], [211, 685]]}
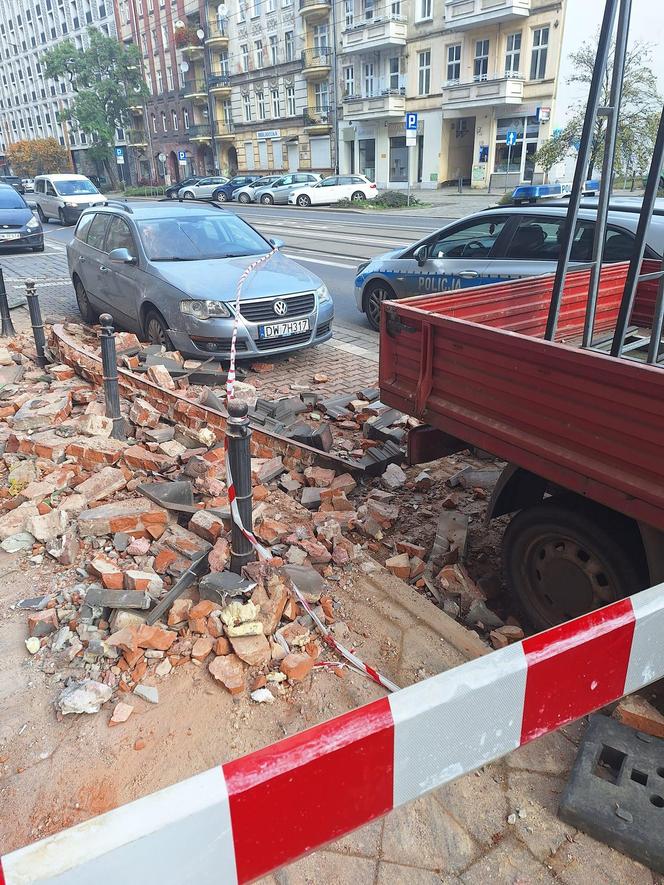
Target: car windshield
{"points": [[194, 238], [9, 199], [75, 188]]}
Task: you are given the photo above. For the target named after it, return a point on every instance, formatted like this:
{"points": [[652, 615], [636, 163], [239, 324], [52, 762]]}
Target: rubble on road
{"points": [[126, 520]]}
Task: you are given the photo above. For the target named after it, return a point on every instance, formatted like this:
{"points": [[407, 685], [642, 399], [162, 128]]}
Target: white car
{"points": [[28, 185], [247, 194], [333, 189], [203, 189]]}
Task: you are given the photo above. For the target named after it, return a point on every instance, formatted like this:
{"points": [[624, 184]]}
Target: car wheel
{"points": [[38, 248], [303, 201], [188, 195], [374, 295], [267, 200], [40, 212], [61, 218], [221, 197], [357, 196], [156, 329], [170, 195], [88, 314], [563, 559], [244, 198]]}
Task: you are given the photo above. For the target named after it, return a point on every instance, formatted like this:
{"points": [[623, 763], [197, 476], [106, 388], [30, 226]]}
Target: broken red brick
{"points": [[143, 581], [163, 559], [271, 531], [297, 666], [154, 637], [179, 612], [320, 477], [161, 376], [143, 414], [637, 713], [229, 670], [202, 648], [42, 623], [253, 650], [108, 570], [222, 646], [399, 565], [132, 515], [143, 459], [411, 549], [102, 484], [219, 555], [206, 525]]}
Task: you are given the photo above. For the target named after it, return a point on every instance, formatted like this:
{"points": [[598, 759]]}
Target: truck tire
{"points": [[563, 558]]}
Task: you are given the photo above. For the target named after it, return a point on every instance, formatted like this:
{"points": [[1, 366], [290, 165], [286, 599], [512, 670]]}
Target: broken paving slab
{"points": [[45, 410]]}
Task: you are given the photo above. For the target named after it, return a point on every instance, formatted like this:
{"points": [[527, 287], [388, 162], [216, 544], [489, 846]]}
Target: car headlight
{"points": [[71, 205], [33, 224], [204, 310], [323, 294]]}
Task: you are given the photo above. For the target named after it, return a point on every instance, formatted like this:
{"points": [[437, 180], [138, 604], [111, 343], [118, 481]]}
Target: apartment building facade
{"points": [[473, 70], [30, 102]]}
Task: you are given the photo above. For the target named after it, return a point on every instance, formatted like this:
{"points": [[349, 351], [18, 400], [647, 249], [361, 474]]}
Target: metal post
{"points": [[645, 216], [239, 457], [569, 226], [110, 376], [509, 163], [8, 330], [612, 112], [335, 87], [36, 321]]}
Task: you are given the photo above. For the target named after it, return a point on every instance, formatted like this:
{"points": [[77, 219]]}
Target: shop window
{"points": [[398, 159]]}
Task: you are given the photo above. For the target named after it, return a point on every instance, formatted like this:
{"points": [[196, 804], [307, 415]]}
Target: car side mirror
{"points": [[421, 254], [276, 242], [122, 256]]}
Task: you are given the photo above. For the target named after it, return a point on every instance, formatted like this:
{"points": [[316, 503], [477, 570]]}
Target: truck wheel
{"points": [[374, 295], [562, 560]]}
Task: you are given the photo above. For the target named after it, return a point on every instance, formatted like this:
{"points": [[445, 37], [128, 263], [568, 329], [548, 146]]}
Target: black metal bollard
{"points": [[239, 456], [110, 375], [7, 330], [36, 321]]}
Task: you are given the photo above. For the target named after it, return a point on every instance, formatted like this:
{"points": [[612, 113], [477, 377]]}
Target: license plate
{"points": [[10, 236], [280, 330]]}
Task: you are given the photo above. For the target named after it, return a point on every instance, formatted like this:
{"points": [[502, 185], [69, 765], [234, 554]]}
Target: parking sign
{"points": [[119, 156], [411, 122], [182, 157]]}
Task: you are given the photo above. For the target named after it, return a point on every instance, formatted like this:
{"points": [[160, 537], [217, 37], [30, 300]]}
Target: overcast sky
{"points": [[582, 22]]}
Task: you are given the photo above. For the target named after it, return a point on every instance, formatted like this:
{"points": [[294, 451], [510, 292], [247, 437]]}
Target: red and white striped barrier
{"points": [[255, 814]]}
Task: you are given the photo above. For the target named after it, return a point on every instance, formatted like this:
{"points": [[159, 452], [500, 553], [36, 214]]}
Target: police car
{"points": [[498, 244]]}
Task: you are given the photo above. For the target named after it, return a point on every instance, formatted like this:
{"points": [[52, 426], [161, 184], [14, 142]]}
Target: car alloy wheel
{"points": [[376, 293], [61, 217], [85, 308], [221, 197], [267, 200], [304, 201], [357, 196], [40, 213], [188, 195], [244, 198], [156, 330]]}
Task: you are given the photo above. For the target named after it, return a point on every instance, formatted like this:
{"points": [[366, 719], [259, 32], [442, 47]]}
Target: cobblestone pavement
{"points": [[350, 358]]}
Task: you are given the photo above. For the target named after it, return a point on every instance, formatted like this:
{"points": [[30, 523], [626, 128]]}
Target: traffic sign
{"points": [[182, 156], [511, 137], [119, 156], [411, 122]]}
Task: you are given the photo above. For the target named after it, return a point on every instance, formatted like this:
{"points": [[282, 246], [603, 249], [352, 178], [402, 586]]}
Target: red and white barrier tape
{"points": [[263, 553], [363, 764], [230, 381]]}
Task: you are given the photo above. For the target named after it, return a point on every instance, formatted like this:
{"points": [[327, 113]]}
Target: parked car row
{"points": [[302, 189]]}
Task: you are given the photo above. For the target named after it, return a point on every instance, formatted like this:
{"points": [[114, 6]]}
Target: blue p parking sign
{"points": [[411, 122]]}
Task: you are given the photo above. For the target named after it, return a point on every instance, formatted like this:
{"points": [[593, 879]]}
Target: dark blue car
{"points": [[18, 225], [225, 192]]}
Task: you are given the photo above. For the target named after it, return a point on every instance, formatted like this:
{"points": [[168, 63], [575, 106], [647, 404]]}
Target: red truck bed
{"points": [[475, 366]]}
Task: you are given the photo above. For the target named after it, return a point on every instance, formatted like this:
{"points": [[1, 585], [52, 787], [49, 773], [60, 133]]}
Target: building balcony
{"points": [[219, 85], [379, 32], [136, 108], [499, 89], [462, 14], [224, 130], [217, 34], [382, 103], [193, 50], [315, 10], [317, 63], [317, 119], [195, 89], [137, 138], [200, 132]]}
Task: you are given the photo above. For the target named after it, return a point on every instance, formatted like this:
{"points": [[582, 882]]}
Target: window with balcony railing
{"points": [[454, 63], [481, 61], [512, 54]]}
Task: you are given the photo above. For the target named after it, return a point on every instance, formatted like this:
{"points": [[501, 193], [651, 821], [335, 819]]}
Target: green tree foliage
{"points": [[37, 156], [106, 78], [639, 112]]}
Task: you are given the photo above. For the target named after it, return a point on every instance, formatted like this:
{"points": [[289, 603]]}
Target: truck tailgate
{"points": [[475, 366]]}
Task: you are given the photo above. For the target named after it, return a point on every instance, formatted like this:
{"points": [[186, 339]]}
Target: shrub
{"points": [[384, 200]]}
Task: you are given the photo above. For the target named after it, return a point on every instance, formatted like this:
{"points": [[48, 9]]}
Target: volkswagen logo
{"points": [[280, 308]]}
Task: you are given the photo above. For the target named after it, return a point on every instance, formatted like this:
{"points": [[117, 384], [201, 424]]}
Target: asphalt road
{"points": [[330, 242]]}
